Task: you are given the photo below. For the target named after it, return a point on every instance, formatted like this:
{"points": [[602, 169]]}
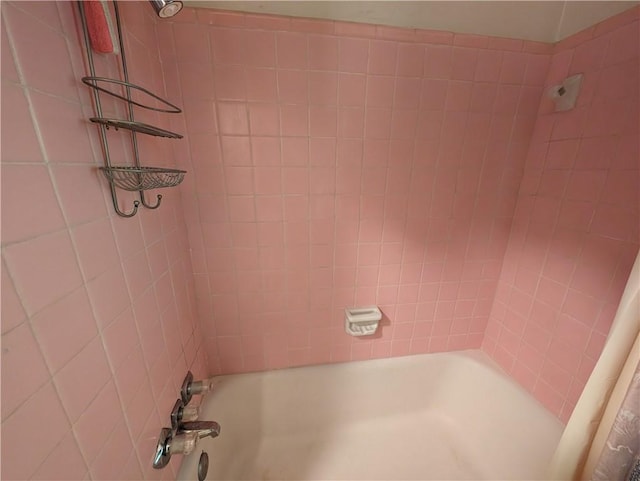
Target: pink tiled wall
{"points": [[343, 164], [331, 164], [575, 231], [98, 312]]}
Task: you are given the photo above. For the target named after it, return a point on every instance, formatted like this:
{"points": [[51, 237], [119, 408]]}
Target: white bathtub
{"points": [[433, 416]]}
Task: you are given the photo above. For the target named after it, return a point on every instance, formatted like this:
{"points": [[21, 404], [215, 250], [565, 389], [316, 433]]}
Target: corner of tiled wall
{"points": [[575, 230], [99, 322]]}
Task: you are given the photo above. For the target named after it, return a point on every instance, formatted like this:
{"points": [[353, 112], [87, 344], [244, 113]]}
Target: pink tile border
{"points": [[599, 29], [617, 21], [387, 32], [227, 18]]}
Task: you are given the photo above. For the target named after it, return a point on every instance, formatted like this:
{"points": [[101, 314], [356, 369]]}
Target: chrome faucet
{"points": [[186, 431], [203, 428]]}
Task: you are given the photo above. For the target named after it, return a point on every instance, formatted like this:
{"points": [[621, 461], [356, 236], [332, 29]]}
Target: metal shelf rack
{"points": [[128, 177]]}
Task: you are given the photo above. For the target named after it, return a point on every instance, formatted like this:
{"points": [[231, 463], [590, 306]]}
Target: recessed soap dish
{"points": [[362, 321]]}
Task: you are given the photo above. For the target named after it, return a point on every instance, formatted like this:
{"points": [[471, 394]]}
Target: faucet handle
{"points": [[202, 387], [190, 413], [181, 413], [170, 443], [184, 443], [191, 387]]}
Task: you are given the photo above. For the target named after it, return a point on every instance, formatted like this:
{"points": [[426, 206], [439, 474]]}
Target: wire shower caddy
{"points": [[128, 177]]}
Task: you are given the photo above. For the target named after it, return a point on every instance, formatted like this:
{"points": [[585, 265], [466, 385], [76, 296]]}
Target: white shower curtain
{"points": [[621, 449], [585, 436]]}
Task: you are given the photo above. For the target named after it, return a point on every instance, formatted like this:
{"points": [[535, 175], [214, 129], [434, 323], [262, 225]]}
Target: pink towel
{"points": [[98, 26]]}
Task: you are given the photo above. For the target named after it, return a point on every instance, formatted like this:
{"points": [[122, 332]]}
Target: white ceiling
{"points": [[545, 21]]}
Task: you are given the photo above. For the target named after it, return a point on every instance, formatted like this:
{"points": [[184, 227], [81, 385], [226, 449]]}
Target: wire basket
{"points": [[143, 178]]}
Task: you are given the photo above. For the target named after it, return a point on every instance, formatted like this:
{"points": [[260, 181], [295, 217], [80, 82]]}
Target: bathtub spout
{"points": [[203, 428]]}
